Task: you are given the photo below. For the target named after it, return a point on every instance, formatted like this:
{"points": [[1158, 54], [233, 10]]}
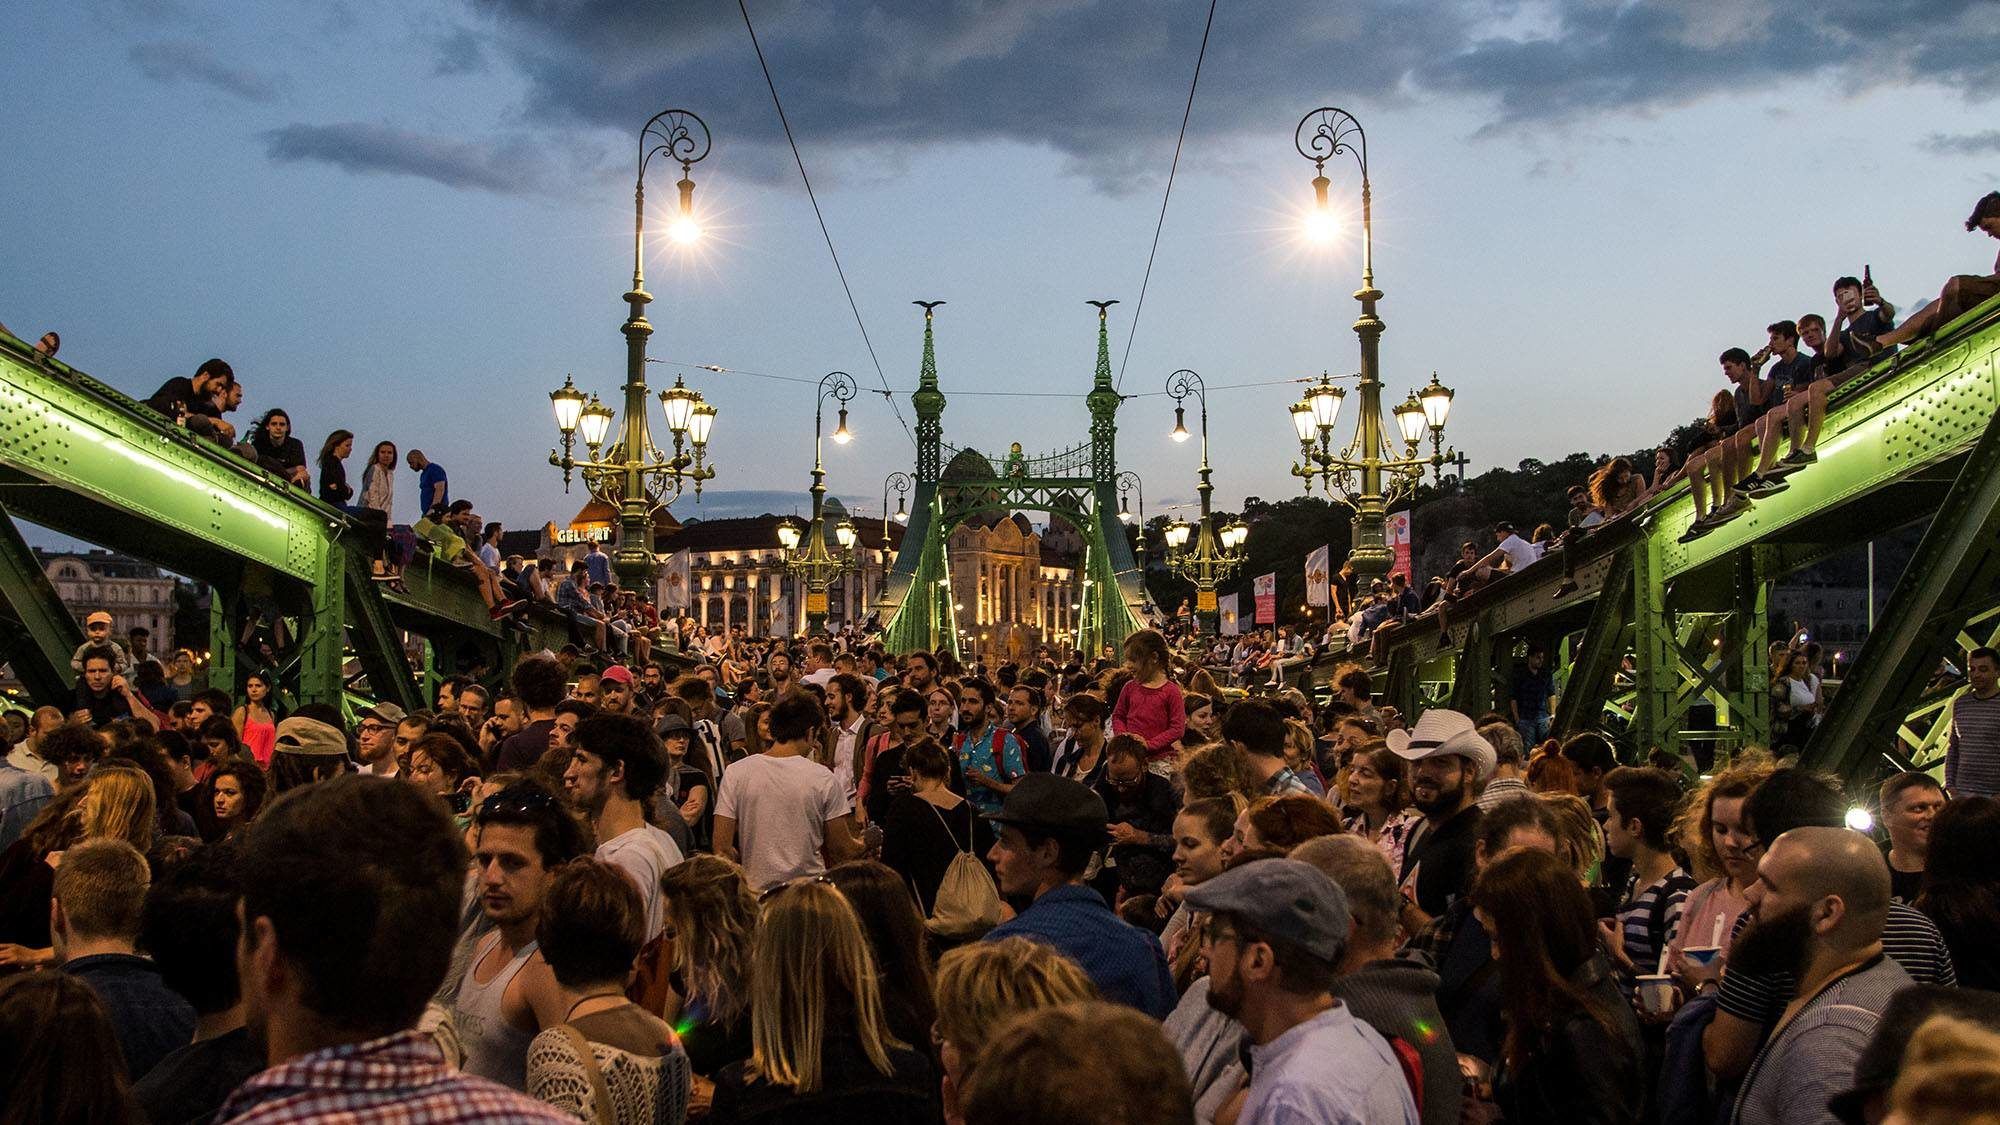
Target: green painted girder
{"points": [[1892, 444], [1956, 568], [84, 459], [37, 631]]}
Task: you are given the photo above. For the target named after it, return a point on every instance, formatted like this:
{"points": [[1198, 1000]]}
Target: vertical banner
{"points": [[1397, 531], [1319, 575], [1265, 587], [781, 617], [1231, 623], [674, 584]]}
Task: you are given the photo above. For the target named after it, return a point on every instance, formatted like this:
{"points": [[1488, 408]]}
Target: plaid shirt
{"points": [[398, 1080], [1428, 944], [1285, 781]]}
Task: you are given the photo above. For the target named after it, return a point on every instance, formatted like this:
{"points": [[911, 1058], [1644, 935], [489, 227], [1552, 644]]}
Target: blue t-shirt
{"points": [[598, 565], [428, 482]]}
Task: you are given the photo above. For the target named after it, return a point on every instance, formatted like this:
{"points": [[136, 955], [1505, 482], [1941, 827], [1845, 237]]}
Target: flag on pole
{"points": [[1265, 587], [676, 581], [1319, 575], [781, 617], [1230, 619], [1398, 535]]}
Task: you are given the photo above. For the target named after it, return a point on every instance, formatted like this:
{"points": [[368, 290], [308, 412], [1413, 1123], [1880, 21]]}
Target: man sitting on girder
{"points": [[196, 403]]}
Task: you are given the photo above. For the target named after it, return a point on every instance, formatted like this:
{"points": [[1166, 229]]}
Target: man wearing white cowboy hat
{"points": [[1450, 761]]}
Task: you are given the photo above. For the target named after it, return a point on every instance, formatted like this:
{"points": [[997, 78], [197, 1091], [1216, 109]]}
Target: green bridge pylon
{"points": [[1077, 486], [1648, 628]]}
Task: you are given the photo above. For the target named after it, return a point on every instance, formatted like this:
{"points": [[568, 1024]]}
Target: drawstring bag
{"points": [[967, 903]]}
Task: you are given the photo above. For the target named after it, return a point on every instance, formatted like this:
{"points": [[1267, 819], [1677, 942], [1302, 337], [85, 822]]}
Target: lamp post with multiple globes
{"points": [[1216, 552], [1384, 477], [632, 474], [815, 565]]}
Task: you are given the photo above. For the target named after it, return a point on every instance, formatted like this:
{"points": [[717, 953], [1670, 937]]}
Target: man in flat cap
{"points": [[1276, 932]]}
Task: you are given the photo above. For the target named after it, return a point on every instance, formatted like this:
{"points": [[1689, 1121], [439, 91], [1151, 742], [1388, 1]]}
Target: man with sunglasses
{"points": [[519, 836]]}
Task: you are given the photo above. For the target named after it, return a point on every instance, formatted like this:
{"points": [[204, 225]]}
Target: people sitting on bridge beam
{"points": [[1960, 294], [438, 528]]}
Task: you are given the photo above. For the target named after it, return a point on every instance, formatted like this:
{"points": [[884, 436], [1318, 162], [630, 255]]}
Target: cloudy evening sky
{"points": [[411, 220]]}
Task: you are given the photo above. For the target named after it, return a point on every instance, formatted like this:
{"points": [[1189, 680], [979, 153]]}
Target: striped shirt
{"points": [[1909, 938], [1650, 915], [1972, 753], [1813, 1058]]}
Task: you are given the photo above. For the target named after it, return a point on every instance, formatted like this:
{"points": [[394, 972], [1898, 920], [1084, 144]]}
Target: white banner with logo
{"points": [[1319, 575], [1230, 618], [675, 582]]}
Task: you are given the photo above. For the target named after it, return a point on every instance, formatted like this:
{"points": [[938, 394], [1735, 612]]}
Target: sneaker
{"points": [[1801, 458], [1697, 529], [1782, 469], [1736, 506], [1756, 487], [1567, 588]]}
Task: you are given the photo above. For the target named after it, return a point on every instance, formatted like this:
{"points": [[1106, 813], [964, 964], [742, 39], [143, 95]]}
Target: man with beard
{"points": [[614, 690], [1452, 760], [1277, 929], [1459, 949], [1751, 999], [520, 835], [919, 671], [616, 765], [334, 992], [1817, 911]]}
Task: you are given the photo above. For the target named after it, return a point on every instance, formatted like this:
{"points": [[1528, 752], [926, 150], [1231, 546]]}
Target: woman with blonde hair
{"points": [[1216, 770], [115, 801], [711, 915], [820, 1044], [1299, 757], [980, 987]]}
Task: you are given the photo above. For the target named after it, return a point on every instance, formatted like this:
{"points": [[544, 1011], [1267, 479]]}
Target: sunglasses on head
{"points": [[515, 801], [770, 893]]}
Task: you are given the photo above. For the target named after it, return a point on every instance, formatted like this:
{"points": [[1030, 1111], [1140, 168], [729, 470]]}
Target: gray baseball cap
{"points": [[1051, 803], [1286, 899], [384, 713]]}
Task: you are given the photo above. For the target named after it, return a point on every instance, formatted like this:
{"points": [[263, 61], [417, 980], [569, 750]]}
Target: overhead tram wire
{"points": [[886, 393], [718, 369], [1159, 226]]}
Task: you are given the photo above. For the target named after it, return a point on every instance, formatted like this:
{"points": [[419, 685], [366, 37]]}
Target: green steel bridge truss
{"points": [[85, 460], [1077, 486], [1655, 628]]}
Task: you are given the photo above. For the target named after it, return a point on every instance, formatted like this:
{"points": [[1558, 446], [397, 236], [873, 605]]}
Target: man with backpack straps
{"points": [[991, 757]]}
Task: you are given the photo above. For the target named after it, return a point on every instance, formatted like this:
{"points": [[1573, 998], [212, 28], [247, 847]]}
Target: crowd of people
{"points": [[803, 881]]}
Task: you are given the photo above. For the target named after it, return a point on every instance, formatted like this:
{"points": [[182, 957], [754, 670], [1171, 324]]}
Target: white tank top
{"points": [[494, 1048]]}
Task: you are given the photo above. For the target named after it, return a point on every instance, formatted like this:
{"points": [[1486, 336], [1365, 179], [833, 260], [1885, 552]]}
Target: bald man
{"points": [[1817, 908]]}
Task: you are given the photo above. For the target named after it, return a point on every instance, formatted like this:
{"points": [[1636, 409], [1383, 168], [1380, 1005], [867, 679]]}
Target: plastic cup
{"points": [[1656, 993], [1703, 955]]}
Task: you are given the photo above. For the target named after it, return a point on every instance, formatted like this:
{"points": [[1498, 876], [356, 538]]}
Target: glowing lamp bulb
{"points": [[684, 230], [1859, 820], [1320, 225]]}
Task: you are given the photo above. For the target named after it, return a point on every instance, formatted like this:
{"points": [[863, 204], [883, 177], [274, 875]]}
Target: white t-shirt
{"points": [[644, 853], [818, 677], [781, 807], [1520, 553], [843, 756]]}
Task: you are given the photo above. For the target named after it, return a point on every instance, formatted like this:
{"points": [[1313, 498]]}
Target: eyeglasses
{"points": [[771, 892]]}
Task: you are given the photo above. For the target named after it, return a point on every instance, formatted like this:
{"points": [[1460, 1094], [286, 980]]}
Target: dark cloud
{"points": [[513, 167], [1963, 144], [1102, 83], [182, 60]]}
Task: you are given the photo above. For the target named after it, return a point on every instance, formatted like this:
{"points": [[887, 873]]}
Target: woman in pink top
{"points": [[256, 723], [1718, 845], [1150, 707]]}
